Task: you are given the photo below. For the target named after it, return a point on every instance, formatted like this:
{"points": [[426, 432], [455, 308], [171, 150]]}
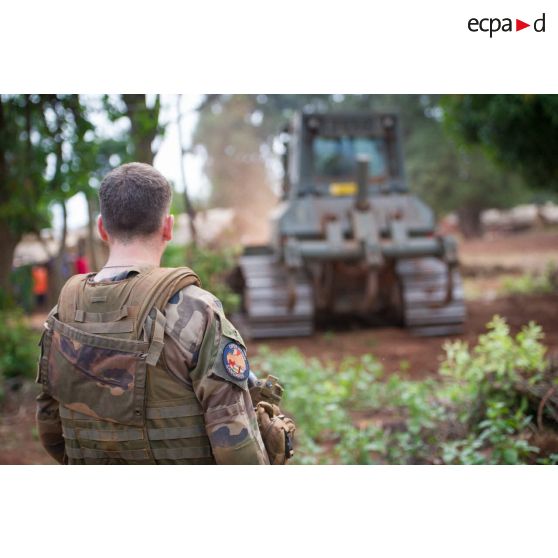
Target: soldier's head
{"points": [[135, 201]]}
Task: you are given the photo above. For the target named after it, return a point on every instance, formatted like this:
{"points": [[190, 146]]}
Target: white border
{"points": [[342, 511], [318, 46]]}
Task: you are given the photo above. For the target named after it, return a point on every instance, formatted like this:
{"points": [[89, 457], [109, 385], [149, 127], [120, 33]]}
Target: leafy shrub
{"points": [[311, 396], [492, 368], [212, 267], [474, 414], [18, 347], [533, 283], [319, 396], [5, 300], [483, 390]]}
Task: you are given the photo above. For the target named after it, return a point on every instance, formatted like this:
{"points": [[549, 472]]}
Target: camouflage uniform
{"points": [[196, 336]]}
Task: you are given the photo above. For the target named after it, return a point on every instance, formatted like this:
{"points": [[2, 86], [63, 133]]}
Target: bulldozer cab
{"points": [[323, 150]]}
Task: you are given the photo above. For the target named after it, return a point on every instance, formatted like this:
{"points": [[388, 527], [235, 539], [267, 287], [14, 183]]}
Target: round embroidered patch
{"points": [[235, 361]]}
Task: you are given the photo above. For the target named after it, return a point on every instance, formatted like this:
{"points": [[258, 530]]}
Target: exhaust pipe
{"points": [[361, 201]]}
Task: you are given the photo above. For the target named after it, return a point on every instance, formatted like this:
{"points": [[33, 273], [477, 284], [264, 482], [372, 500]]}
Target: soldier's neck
{"points": [[131, 254]]}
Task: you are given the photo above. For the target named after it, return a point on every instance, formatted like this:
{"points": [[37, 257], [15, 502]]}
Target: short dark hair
{"points": [[133, 199]]}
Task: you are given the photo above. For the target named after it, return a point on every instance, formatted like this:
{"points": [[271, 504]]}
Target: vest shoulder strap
{"points": [[156, 288], [69, 296]]}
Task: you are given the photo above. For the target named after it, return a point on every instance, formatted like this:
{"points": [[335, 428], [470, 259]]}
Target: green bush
{"points": [[211, 266], [319, 396], [472, 414], [483, 393], [532, 283], [492, 368], [18, 347]]}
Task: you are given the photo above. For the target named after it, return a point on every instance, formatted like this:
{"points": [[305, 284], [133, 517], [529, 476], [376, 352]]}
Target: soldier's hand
{"points": [[277, 432]]}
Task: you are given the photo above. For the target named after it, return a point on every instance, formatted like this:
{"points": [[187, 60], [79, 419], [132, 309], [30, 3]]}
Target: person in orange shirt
{"points": [[40, 284]]}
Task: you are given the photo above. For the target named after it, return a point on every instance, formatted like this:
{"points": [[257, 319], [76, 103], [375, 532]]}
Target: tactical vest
{"points": [[102, 361]]}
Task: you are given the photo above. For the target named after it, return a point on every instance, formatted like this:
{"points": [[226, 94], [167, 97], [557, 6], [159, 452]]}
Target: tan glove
{"points": [[277, 432], [269, 390]]}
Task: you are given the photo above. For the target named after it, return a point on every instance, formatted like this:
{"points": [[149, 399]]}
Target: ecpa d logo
{"points": [[492, 25]]}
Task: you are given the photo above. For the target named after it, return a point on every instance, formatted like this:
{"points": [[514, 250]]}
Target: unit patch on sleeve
{"points": [[235, 361]]}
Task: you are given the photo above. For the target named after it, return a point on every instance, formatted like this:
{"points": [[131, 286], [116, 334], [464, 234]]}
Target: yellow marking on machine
{"points": [[343, 188]]}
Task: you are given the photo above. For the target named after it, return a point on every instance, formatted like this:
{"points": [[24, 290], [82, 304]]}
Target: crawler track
{"points": [[274, 305], [426, 309], [278, 305]]}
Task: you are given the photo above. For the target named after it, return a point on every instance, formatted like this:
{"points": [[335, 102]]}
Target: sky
{"points": [[167, 160]]}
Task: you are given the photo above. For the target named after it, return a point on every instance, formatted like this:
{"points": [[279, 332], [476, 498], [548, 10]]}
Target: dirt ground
{"points": [[484, 263], [18, 436], [397, 348], [527, 251]]}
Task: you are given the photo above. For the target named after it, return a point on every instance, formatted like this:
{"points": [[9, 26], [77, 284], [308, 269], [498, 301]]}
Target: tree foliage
{"points": [[38, 159], [52, 147], [144, 126], [518, 131], [42, 147]]}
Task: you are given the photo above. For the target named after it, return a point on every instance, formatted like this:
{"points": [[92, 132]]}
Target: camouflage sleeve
{"points": [[215, 357], [47, 414], [49, 426]]}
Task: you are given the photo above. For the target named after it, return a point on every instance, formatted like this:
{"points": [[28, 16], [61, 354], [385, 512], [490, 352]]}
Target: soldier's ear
{"points": [[101, 228], [168, 225]]}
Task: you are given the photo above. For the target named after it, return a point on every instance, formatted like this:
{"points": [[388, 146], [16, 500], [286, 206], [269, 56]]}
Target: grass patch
{"points": [[532, 283]]}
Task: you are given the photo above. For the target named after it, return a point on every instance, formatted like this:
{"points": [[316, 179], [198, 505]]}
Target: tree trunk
{"points": [[8, 243], [57, 277], [470, 223], [8, 239], [91, 240], [144, 123]]}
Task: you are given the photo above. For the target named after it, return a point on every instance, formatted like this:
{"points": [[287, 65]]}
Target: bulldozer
{"points": [[348, 238]]}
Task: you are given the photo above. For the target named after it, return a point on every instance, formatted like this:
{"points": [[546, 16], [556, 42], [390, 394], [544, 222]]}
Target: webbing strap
{"points": [[70, 414], [81, 316], [68, 298], [188, 410], [175, 433], [81, 453], [157, 341], [74, 453], [123, 345], [181, 453], [124, 326], [100, 435], [140, 454], [53, 312], [69, 433]]}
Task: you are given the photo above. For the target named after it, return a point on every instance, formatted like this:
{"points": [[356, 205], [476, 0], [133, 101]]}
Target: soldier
{"points": [[138, 363]]}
